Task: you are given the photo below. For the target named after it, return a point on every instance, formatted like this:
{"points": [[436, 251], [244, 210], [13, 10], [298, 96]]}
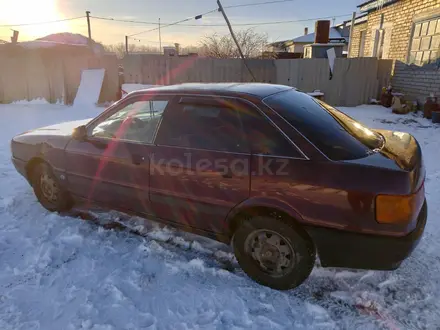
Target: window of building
{"points": [[380, 50], [362, 43], [425, 44], [381, 40]]}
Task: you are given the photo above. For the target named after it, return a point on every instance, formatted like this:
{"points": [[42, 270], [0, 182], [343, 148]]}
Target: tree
{"points": [[119, 49], [222, 46]]}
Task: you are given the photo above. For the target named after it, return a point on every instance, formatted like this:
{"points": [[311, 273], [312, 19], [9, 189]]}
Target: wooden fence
{"points": [[55, 75], [52, 74], [355, 81]]}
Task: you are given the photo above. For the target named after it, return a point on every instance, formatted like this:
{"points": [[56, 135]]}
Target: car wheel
{"points": [[273, 252], [48, 191]]}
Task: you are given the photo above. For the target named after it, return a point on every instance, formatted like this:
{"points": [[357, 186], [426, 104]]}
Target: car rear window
{"points": [[335, 134]]}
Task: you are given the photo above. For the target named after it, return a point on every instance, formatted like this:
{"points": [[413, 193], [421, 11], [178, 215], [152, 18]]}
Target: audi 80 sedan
{"points": [[280, 175]]}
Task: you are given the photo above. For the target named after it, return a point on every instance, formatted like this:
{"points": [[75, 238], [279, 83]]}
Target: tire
{"points": [[54, 198], [256, 240]]}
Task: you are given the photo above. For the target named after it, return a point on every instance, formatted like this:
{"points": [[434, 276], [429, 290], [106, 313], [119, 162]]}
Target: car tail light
{"points": [[394, 209]]}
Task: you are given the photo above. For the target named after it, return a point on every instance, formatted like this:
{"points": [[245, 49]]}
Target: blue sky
{"points": [[23, 11]]}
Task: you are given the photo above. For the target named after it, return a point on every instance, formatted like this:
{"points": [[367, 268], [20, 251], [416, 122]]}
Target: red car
{"points": [[281, 175]]}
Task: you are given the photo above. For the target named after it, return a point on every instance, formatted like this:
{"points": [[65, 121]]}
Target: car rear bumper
{"points": [[20, 166], [338, 248]]}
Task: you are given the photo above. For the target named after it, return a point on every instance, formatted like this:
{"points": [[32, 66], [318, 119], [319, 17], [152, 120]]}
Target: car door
{"points": [[111, 166], [200, 168]]}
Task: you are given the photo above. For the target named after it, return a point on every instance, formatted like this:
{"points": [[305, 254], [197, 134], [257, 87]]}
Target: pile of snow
{"points": [[42, 44], [40, 101], [64, 38], [59, 272], [67, 38]]}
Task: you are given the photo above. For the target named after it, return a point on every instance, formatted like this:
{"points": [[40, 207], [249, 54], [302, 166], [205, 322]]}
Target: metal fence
{"points": [[354, 81], [54, 76]]}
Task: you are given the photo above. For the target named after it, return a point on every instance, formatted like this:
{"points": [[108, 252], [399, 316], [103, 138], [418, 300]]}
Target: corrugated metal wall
{"points": [[355, 81], [36, 74], [27, 75]]}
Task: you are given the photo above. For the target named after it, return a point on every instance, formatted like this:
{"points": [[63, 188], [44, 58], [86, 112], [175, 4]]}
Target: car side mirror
{"points": [[80, 133]]}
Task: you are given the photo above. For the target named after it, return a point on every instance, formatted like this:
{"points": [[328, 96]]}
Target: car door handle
{"points": [[137, 159]]}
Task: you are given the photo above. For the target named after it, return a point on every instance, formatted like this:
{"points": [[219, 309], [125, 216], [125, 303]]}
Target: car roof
{"points": [[259, 90]]}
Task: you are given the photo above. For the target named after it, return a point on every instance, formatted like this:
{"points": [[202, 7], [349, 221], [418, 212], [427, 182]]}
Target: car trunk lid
{"points": [[404, 150], [399, 152]]}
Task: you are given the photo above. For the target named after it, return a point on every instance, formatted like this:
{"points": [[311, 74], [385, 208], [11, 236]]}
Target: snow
{"points": [[73, 39], [36, 44], [67, 38], [316, 93], [310, 38], [60, 272], [90, 87], [34, 101]]}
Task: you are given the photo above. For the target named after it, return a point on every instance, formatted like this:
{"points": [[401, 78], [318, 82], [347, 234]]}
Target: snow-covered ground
{"points": [[60, 272]]}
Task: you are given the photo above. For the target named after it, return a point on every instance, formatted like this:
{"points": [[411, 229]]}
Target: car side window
{"points": [[136, 121], [264, 138], [203, 126]]}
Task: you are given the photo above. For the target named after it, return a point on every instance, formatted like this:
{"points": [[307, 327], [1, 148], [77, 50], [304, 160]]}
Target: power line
{"points": [[257, 4], [152, 41], [293, 21], [40, 23], [123, 20], [237, 24], [174, 23], [154, 23]]}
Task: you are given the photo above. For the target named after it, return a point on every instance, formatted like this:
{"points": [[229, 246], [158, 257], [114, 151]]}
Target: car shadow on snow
{"points": [[217, 254], [403, 298], [379, 295]]}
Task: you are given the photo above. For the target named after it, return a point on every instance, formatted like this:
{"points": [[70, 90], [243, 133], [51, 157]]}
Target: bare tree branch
{"points": [[223, 46]]}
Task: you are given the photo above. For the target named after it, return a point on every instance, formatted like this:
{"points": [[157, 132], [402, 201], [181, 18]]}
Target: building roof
{"points": [[310, 38], [64, 38], [334, 34], [362, 18], [373, 5], [226, 89], [44, 44]]}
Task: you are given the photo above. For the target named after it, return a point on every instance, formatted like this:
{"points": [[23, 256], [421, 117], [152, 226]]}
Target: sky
{"points": [[112, 32]]}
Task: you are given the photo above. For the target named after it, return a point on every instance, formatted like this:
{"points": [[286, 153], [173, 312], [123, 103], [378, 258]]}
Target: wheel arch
{"points": [[31, 165], [264, 206]]}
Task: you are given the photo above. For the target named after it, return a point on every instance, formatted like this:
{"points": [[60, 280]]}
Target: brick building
{"points": [[404, 30], [407, 31]]}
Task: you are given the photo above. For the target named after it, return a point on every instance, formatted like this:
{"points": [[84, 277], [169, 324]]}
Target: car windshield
{"points": [[335, 134]]}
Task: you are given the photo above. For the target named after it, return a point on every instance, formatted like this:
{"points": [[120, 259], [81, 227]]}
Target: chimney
{"points": [[322, 32], [14, 37], [177, 45], [306, 31]]}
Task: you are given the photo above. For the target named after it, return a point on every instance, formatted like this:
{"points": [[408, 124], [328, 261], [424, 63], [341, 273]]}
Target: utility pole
{"points": [[160, 39], [220, 7], [353, 19], [88, 26], [126, 44]]}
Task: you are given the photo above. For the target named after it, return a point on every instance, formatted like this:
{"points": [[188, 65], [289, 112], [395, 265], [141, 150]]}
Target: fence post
{"points": [[167, 70], [350, 40]]}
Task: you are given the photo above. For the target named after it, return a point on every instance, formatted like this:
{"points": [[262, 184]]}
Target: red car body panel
{"points": [[334, 201]]}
